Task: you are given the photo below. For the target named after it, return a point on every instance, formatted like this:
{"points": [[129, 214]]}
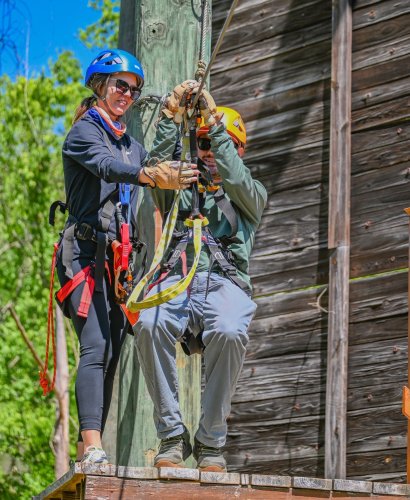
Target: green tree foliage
{"points": [[104, 32], [34, 117]]}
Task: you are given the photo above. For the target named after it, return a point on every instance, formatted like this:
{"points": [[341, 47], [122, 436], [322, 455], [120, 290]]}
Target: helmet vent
{"points": [[102, 56], [112, 60]]}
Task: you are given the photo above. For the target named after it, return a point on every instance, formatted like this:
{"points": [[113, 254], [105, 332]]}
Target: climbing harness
{"points": [[123, 275]]}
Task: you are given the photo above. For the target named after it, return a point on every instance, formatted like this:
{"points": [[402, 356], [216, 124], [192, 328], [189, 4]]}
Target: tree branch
{"points": [[10, 308]]}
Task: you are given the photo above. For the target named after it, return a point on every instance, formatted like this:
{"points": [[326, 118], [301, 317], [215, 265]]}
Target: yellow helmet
{"points": [[233, 123]]}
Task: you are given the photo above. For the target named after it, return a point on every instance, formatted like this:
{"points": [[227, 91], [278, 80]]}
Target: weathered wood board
{"points": [[275, 61], [111, 482]]}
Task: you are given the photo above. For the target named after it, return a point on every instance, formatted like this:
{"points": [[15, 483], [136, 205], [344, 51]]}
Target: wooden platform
{"points": [[125, 483]]}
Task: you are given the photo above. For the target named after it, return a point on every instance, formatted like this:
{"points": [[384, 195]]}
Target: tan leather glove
{"points": [[175, 103], [171, 174], [207, 107]]}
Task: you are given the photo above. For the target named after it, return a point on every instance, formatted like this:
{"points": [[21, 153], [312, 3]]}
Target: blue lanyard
{"points": [[124, 194]]}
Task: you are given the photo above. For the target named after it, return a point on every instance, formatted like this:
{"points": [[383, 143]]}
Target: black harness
{"points": [[220, 253]]}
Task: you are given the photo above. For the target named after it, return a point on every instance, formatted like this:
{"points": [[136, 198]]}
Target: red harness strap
{"points": [[85, 275], [125, 246], [121, 251], [70, 286]]}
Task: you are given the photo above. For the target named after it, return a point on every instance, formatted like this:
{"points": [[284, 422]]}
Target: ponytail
{"points": [[96, 83], [85, 105]]}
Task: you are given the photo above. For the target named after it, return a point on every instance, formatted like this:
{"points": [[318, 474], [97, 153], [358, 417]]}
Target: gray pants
{"points": [[223, 316]]}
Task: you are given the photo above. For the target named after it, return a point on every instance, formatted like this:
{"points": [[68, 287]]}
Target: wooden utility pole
{"points": [[165, 37], [339, 240]]}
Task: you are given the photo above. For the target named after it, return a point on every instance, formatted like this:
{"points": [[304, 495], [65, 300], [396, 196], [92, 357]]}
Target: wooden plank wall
{"points": [[274, 67], [379, 238]]}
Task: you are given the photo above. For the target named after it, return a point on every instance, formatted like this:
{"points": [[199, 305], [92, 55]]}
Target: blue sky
{"points": [[50, 26]]}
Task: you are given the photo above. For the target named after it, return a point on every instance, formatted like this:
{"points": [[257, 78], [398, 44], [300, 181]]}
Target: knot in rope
{"points": [[200, 71]]}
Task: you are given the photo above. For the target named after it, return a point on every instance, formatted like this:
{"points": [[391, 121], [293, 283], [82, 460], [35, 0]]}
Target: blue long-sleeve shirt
{"points": [[94, 164]]}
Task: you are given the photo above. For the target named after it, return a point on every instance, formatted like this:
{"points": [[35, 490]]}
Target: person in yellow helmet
{"points": [[213, 316], [233, 124]]}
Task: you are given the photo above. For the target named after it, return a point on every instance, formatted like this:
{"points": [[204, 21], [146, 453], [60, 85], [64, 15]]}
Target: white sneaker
{"points": [[94, 455]]}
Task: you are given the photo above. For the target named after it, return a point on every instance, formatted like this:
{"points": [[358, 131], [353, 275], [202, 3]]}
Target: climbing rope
{"points": [[216, 49]]}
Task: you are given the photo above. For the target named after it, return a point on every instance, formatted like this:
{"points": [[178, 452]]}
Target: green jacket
{"points": [[248, 195]]}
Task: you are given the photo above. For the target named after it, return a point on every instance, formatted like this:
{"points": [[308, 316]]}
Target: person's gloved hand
{"points": [[174, 106], [207, 107], [171, 174]]}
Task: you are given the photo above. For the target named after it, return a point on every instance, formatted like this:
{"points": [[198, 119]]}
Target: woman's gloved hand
{"points": [[170, 174]]}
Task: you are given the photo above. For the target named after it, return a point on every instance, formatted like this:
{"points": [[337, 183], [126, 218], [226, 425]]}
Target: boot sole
{"points": [[167, 463], [212, 468]]}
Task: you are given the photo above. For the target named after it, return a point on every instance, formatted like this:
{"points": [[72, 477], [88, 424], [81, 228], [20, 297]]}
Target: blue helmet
{"points": [[112, 61]]}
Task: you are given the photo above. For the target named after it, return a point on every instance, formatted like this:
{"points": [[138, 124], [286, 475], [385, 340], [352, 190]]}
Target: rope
{"points": [[45, 384], [151, 98], [204, 29], [216, 50]]}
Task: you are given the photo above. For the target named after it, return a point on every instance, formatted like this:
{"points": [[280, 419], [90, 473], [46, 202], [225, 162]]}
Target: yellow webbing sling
{"points": [[172, 291]]}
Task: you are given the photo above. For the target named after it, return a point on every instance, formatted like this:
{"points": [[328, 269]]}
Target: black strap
{"points": [[107, 212], [219, 254], [102, 241], [138, 247], [68, 248], [176, 253], [52, 212], [206, 177], [228, 210], [226, 207]]}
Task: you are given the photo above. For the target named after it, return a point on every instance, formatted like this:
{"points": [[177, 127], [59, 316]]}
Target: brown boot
{"points": [[209, 459]]}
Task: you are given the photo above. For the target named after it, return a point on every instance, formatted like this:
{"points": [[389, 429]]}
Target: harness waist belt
{"points": [[84, 231]]}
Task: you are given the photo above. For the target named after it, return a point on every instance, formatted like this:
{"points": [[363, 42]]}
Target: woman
{"points": [[103, 167]]}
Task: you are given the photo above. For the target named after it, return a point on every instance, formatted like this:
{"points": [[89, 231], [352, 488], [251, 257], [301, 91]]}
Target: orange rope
{"points": [[44, 381]]}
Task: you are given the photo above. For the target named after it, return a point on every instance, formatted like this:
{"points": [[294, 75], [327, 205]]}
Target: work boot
{"points": [[208, 459], [173, 451]]}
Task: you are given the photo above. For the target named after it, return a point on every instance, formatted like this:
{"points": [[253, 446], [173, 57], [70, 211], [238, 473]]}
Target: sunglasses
{"points": [[122, 87], [204, 144]]}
